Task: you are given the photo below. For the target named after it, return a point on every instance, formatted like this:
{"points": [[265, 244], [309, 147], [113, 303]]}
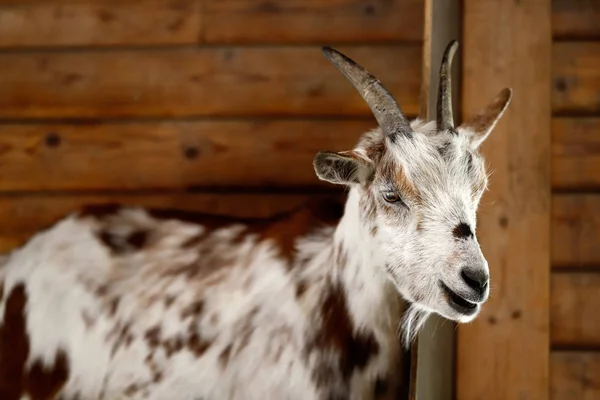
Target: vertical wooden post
{"points": [[433, 355], [504, 354]]}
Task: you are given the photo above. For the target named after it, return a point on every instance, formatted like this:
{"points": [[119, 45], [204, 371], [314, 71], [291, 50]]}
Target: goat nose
{"points": [[476, 279]]}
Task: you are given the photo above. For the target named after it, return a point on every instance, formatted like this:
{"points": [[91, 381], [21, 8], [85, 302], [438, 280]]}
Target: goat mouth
{"points": [[457, 302]]}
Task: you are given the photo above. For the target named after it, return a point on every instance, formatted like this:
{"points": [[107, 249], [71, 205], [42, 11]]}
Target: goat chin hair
{"points": [[412, 321]]}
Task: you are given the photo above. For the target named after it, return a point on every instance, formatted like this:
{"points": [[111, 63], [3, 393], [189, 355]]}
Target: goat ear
{"points": [[343, 168], [480, 125]]}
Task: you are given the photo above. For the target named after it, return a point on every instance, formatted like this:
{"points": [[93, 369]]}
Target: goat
{"points": [[123, 302]]}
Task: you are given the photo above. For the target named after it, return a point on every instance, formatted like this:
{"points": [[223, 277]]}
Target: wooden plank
{"points": [[22, 216], [576, 153], [575, 231], [159, 22], [199, 82], [574, 310], [576, 77], [504, 353], [575, 375], [170, 155], [99, 23], [575, 19], [313, 21]]}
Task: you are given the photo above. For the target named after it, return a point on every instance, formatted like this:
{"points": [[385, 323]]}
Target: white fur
{"points": [[72, 280]]}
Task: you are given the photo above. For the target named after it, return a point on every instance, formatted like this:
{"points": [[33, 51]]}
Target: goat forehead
{"points": [[430, 166]]}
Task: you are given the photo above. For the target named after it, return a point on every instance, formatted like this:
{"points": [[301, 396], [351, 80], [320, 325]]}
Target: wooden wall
{"points": [[185, 103], [504, 353], [575, 296]]}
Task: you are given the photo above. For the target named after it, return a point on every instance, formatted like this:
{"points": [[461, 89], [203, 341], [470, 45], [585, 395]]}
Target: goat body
{"points": [[129, 303], [118, 302]]}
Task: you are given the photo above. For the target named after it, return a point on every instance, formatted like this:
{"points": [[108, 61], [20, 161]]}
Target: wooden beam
{"points": [[504, 353], [169, 154], [574, 310], [203, 81], [576, 78], [576, 153], [309, 21], [576, 231], [575, 19], [575, 375], [141, 23]]}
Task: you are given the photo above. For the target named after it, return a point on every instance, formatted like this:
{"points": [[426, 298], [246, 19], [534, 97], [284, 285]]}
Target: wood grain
{"points": [[99, 23], [169, 155], [576, 153], [95, 23], [504, 353], [576, 77], [575, 19], [313, 21], [575, 231], [23, 216], [575, 375], [210, 81], [574, 310]]}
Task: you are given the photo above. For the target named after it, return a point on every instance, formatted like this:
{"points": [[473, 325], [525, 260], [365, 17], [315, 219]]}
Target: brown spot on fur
{"points": [[197, 345], [285, 230], [173, 345], [44, 382], [194, 309], [14, 344], [224, 356], [301, 288], [336, 334], [405, 186], [102, 290], [120, 244], [131, 389], [153, 337], [169, 300], [39, 382], [113, 305], [138, 239], [374, 230]]}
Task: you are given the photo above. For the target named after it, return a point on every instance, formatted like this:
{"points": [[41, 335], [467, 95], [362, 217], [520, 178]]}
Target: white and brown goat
{"points": [[131, 303]]}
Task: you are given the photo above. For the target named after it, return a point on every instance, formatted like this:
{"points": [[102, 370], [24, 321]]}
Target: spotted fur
{"points": [[119, 302]]}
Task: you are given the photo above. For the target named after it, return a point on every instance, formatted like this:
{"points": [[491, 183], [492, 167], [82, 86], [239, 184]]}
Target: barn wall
{"points": [[575, 295], [185, 103], [504, 354]]}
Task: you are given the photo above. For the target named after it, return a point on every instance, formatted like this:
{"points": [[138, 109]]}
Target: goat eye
{"points": [[391, 197]]}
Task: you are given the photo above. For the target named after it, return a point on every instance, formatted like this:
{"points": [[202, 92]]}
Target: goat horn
{"points": [[384, 107], [445, 118]]}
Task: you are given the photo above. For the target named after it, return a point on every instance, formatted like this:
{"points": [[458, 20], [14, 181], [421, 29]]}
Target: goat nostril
{"points": [[477, 280]]}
